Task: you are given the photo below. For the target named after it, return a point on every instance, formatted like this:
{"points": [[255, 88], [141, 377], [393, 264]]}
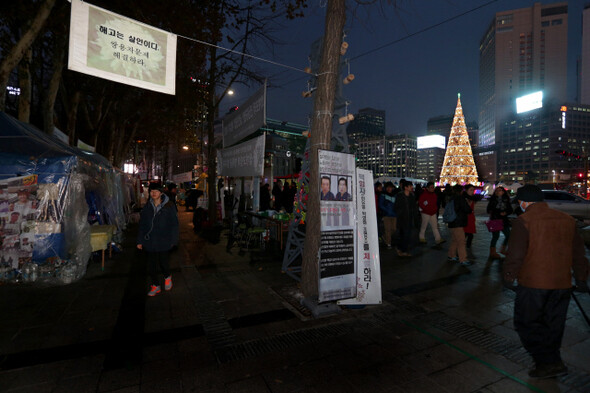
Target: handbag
{"points": [[495, 225]]}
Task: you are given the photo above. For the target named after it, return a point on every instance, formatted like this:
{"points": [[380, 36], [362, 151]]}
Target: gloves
{"points": [[581, 286], [509, 285]]}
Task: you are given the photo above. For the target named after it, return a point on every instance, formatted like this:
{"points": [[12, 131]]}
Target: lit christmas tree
{"points": [[458, 165]]}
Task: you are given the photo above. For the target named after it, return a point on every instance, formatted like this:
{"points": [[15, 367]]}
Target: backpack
{"points": [[449, 215]]}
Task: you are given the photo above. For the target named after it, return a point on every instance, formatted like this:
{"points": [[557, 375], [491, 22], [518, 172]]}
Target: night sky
{"points": [[412, 80]]}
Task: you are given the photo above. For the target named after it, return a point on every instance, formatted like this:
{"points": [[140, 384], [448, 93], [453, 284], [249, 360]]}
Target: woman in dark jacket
{"points": [[158, 233], [499, 208], [457, 250]]}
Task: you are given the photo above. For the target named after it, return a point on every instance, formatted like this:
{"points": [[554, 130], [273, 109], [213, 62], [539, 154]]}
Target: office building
{"points": [[531, 142], [522, 51], [368, 123], [430, 156], [388, 156]]}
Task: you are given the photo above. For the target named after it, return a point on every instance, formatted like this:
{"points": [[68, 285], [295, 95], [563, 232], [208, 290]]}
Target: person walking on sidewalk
{"points": [[427, 203], [406, 210], [543, 249], [158, 234], [387, 211], [457, 250], [499, 208], [470, 229]]}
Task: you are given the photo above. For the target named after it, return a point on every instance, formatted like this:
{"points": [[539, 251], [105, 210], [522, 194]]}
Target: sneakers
{"points": [[455, 259], [441, 241], [466, 263], [422, 241], [552, 370], [402, 253], [168, 283], [155, 289]]}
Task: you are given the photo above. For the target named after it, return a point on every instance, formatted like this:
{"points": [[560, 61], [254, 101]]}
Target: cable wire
{"points": [[423, 30]]}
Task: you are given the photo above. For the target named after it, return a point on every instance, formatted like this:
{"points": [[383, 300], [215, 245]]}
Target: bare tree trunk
{"points": [[321, 133], [73, 116], [125, 144], [112, 141], [53, 87], [211, 154], [17, 52], [26, 86]]}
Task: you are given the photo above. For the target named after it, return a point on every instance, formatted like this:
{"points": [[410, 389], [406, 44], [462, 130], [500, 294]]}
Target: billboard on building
{"points": [[428, 141], [529, 102]]}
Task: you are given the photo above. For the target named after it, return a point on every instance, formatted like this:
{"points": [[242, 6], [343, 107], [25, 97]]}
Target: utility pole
{"points": [[321, 130]]}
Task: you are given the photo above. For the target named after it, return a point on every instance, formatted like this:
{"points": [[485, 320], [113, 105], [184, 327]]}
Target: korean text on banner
{"points": [[246, 120], [337, 276], [368, 277], [120, 49], [245, 159]]}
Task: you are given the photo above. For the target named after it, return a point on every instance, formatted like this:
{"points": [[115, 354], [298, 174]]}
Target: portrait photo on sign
{"points": [[344, 189]]}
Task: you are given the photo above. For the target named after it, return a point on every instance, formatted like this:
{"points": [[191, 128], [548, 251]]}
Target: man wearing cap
{"points": [[158, 233], [543, 249]]}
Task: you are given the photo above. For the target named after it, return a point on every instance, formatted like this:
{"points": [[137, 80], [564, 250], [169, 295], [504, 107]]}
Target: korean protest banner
{"points": [[246, 120], [368, 277], [120, 49], [337, 276], [245, 159]]}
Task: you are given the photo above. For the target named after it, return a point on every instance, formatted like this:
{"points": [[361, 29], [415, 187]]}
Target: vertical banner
{"points": [[337, 276], [120, 49], [246, 120], [245, 159], [368, 277]]}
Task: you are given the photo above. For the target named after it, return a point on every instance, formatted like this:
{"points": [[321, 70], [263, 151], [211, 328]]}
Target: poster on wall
{"points": [[117, 48], [368, 277], [29, 222], [337, 275]]}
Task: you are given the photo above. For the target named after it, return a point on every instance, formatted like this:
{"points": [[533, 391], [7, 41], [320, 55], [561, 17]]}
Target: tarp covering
{"points": [[44, 215]]}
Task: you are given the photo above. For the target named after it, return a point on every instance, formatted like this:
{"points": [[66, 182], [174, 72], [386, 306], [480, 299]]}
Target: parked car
{"points": [[569, 203]]}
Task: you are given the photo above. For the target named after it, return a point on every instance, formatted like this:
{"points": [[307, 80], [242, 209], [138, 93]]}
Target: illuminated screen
{"points": [[425, 142], [529, 102]]}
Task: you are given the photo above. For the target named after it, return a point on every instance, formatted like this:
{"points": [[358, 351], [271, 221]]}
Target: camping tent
{"points": [[45, 187]]}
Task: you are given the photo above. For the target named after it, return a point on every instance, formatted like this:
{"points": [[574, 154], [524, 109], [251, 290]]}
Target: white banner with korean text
{"points": [[246, 120], [120, 49], [245, 159], [368, 278], [337, 276]]}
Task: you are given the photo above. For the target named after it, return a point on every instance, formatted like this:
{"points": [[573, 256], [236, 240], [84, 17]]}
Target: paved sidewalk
{"points": [[231, 324]]}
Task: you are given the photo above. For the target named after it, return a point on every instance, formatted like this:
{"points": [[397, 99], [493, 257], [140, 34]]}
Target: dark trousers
{"points": [[158, 262], [539, 319], [405, 236], [496, 236], [468, 239]]}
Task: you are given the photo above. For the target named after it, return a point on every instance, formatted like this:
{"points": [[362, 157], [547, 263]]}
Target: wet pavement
{"points": [[232, 323]]}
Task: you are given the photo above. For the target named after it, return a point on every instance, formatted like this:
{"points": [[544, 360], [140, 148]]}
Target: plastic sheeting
{"points": [[44, 184]]}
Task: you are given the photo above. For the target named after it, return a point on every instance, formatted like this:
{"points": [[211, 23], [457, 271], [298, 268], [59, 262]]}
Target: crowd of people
{"points": [[403, 209], [281, 197]]}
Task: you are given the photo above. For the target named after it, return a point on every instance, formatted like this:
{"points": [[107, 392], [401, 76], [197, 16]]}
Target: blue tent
{"points": [[44, 188]]}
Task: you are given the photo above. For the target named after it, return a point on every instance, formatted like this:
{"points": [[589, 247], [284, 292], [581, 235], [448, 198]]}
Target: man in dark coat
{"points": [[157, 235], [406, 210], [543, 249]]}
